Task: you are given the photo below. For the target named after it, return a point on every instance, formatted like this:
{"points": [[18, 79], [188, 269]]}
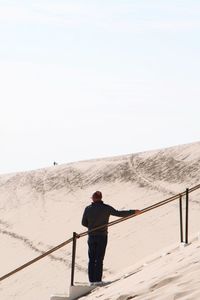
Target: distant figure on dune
{"points": [[55, 163], [95, 215]]}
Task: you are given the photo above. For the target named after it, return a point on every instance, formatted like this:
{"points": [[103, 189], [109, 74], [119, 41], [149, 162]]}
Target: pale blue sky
{"points": [[86, 79]]}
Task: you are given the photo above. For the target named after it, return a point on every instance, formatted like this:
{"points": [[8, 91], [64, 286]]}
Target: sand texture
{"points": [[41, 208]]}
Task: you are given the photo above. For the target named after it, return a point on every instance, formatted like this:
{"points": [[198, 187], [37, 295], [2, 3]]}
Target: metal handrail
{"points": [[36, 259], [144, 210], [75, 235]]}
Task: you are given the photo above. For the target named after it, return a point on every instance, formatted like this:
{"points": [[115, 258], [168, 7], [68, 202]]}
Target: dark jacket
{"points": [[98, 213]]}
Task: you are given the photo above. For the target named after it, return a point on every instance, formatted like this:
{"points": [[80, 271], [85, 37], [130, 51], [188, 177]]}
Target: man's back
{"points": [[97, 214]]}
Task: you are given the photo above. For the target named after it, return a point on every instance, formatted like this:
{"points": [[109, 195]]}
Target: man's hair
{"points": [[97, 196]]}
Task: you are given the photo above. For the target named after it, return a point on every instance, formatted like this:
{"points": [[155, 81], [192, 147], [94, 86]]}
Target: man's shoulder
{"points": [[99, 205], [107, 205], [88, 206]]}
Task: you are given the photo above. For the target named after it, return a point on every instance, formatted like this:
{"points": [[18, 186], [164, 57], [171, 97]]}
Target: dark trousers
{"points": [[96, 252]]}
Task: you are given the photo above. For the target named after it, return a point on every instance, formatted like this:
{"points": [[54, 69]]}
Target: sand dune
{"points": [[174, 274], [42, 208]]}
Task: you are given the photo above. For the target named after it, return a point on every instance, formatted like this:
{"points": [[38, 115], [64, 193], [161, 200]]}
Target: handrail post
{"points": [[181, 218], [73, 257], [186, 215]]}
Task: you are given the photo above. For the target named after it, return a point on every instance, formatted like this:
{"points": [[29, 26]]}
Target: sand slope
{"points": [[42, 208], [175, 274]]}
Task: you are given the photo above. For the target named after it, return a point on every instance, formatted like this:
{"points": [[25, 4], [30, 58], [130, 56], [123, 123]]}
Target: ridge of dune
{"points": [[42, 208]]}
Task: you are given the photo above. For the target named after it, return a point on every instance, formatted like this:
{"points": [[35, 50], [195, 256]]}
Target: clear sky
{"points": [[83, 79]]}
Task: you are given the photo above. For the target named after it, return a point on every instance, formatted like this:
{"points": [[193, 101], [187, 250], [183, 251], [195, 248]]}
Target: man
{"points": [[96, 215]]}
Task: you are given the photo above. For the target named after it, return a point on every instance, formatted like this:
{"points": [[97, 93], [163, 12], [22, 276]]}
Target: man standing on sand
{"points": [[95, 215]]}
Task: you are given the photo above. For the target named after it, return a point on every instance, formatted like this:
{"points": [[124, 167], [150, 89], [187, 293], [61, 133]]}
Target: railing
{"points": [[146, 209]]}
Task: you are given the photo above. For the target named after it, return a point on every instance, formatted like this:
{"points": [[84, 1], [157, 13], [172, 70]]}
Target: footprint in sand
{"points": [[163, 283], [180, 295]]}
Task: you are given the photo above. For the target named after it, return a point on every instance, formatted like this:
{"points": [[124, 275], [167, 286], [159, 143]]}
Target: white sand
{"points": [[41, 208], [176, 275]]}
